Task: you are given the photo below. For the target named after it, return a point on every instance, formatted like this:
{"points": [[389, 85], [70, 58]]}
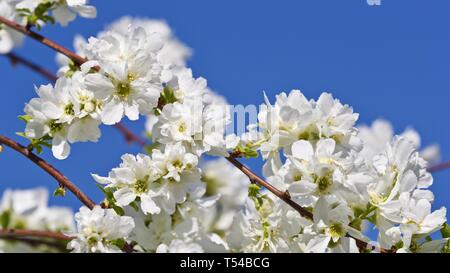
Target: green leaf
{"points": [[149, 148], [120, 243], [5, 219], [167, 96], [445, 231], [118, 210], [60, 191], [356, 223], [134, 205], [253, 190], [25, 118]]}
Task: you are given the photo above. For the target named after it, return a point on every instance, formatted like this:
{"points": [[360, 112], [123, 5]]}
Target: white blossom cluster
{"points": [[329, 169], [28, 209], [169, 200], [127, 75], [381, 132], [38, 13], [136, 67], [100, 230]]}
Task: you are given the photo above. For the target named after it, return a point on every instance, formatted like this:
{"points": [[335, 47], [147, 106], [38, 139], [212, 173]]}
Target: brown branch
{"points": [[439, 167], [16, 59], [36, 238], [129, 136], [20, 233], [280, 194], [62, 180], [78, 60]]}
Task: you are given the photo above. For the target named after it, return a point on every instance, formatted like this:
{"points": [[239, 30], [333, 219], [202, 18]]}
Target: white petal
{"points": [[86, 11], [149, 206], [124, 197], [63, 15], [99, 85], [101, 179], [83, 130], [51, 111], [112, 112], [302, 150], [408, 182], [132, 112], [6, 42], [60, 147], [325, 147]]}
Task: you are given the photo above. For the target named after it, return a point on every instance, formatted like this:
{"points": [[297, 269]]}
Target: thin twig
{"points": [[129, 136], [78, 60], [16, 59], [62, 180], [280, 194], [36, 238], [439, 167], [20, 233]]}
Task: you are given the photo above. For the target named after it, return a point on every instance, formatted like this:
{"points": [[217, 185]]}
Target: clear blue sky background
{"points": [[391, 61]]}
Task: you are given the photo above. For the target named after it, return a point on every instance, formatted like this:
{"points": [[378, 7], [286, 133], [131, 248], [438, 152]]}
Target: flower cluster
{"points": [[100, 230], [128, 74], [28, 209], [333, 171], [135, 70], [37, 13], [169, 200], [381, 132]]}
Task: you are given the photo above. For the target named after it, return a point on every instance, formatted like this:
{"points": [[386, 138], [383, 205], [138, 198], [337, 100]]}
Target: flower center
{"points": [[123, 89], [141, 186], [336, 231], [54, 126], [68, 110], [324, 183], [182, 127]]}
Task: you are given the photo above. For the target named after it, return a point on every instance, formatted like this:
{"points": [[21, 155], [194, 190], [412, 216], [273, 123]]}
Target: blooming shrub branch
{"points": [[326, 179]]}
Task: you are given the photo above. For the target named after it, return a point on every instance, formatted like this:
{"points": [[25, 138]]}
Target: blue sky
{"points": [[390, 61]]}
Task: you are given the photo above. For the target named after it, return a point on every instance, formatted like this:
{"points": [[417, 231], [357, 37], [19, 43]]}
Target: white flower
{"points": [[64, 114], [398, 169], [160, 181], [9, 38], [179, 122], [266, 228], [28, 209], [173, 53], [66, 11], [415, 217], [100, 230], [312, 171], [128, 82], [381, 132], [294, 118], [185, 87], [330, 219], [135, 177], [63, 11]]}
